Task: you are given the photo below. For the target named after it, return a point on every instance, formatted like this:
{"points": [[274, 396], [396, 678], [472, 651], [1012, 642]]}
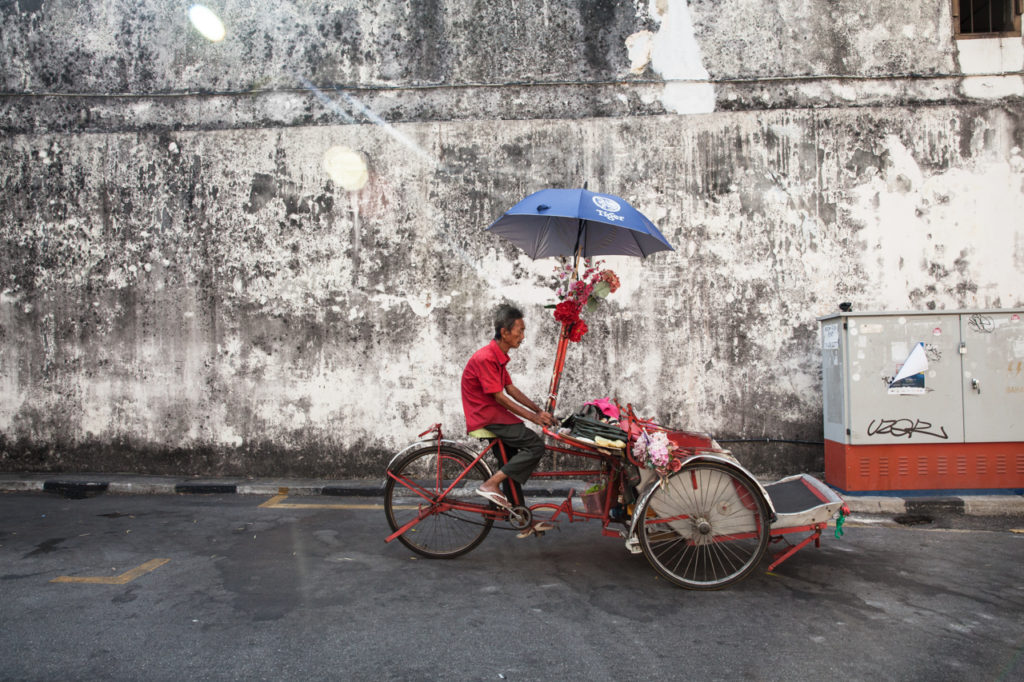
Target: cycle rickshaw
{"points": [[701, 519]]}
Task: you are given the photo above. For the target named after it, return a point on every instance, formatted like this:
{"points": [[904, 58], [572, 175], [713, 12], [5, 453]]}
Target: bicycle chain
{"points": [[512, 525]]}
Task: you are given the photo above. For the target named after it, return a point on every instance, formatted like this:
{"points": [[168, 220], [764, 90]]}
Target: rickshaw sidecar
{"points": [[708, 524]]}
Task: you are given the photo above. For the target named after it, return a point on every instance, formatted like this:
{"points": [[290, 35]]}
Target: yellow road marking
{"points": [[122, 579], [278, 502]]}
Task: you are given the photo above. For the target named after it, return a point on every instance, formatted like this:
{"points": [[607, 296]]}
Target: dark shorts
{"points": [[527, 446]]}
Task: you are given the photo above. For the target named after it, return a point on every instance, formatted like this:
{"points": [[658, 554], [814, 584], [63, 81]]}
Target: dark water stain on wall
{"points": [[173, 304]]}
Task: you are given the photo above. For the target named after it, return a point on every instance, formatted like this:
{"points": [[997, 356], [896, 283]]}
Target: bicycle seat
{"points": [[483, 434]]}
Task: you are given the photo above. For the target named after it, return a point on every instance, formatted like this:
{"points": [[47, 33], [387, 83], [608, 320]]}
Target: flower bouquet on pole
{"points": [[576, 294]]}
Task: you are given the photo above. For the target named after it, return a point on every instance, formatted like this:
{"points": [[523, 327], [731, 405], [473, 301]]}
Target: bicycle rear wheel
{"points": [[442, 534], [705, 527]]}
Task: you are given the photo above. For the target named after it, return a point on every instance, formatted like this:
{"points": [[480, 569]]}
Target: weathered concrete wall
{"points": [[116, 65], [186, 291]]}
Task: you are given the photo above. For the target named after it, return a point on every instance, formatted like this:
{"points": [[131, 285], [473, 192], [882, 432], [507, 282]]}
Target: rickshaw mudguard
{"points": [[444, 442], [652, 485]]}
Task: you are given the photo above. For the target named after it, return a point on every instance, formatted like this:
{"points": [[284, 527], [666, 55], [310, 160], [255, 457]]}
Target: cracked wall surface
{"points": [[186, 289]]}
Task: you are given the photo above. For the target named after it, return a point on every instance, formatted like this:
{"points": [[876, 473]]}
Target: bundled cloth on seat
{"points": [[585, 427], [588, 411], [592, 423]]}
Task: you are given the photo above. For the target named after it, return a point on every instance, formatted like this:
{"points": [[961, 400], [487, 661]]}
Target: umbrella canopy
{"points": [[564, 222]]}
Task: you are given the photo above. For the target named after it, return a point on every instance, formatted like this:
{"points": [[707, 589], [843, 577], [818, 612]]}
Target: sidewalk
{"points": [[84, 485]]}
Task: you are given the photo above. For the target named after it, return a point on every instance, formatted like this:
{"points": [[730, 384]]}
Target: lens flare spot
{"points": [[206, 22], [346, 168]]}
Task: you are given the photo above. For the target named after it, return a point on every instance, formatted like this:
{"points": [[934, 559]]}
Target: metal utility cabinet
{"points": [[956, 423]]}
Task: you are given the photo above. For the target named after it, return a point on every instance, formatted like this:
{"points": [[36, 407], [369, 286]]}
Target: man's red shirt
{"points": [[485, 375]]}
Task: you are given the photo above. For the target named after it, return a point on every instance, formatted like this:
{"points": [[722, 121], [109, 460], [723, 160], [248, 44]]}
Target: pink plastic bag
{"points": [[606, 406]]}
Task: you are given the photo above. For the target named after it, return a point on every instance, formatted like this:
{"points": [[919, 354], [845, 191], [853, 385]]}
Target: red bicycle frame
{"points": [[436, 501]]}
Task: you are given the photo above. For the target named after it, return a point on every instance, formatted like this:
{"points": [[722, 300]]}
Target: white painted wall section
{"points": [[674, 54]]}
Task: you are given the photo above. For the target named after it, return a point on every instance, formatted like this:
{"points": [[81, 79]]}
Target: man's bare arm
{"points": [[522, 406], [521, 397]]}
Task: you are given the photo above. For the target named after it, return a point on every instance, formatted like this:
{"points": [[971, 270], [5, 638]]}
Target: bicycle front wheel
{"points": [[705, 527], [442, 534]]}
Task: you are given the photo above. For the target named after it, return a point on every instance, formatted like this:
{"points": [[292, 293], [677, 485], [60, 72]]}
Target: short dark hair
{"points": [[505, 318]]}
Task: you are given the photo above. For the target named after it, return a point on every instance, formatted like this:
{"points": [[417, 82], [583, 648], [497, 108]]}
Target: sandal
{"points": [[538, 529], [496, 498]]}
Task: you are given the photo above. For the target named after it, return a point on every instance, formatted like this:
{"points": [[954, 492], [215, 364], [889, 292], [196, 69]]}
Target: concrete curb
{"points": [[77, 486], [14, 485], [875, 505], [967, 505]]}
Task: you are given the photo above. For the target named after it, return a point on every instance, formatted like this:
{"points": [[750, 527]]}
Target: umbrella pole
{"points": [[578, 249], [556, 374], [563, 339]]}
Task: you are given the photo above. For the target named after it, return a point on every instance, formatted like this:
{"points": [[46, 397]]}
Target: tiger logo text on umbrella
{"points": [[607, 208]]}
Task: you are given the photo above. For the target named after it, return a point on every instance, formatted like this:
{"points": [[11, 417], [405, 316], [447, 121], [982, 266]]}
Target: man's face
{"points": [[515, 336]]}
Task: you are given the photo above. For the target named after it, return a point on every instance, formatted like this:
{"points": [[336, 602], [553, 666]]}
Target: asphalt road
{"points": [[250, 592]]}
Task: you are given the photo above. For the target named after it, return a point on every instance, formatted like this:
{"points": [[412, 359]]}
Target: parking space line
{"points": [[122, 579], [278, 501]]}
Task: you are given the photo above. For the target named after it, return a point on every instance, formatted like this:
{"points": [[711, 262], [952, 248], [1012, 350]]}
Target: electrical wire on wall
{"points": [[756, 80], [770, 440]]}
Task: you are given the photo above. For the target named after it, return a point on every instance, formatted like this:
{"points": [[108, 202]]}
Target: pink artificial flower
{"points": [[612, 279]]}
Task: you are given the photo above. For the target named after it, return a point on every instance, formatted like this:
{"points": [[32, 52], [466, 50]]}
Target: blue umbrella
{"points": [[570, 222]]}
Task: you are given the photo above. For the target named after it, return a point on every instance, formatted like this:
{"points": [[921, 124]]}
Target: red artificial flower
{"points": [[578, 330], [567, 312], [612, 279], [675, 464]]}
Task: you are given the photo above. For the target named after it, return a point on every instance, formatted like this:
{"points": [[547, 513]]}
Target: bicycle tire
{"points": [[442, 535], [706, 527]]}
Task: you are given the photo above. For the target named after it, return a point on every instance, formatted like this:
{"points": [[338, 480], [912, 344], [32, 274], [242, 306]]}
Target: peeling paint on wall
{"points": [[945, 221], [673, 53]]}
